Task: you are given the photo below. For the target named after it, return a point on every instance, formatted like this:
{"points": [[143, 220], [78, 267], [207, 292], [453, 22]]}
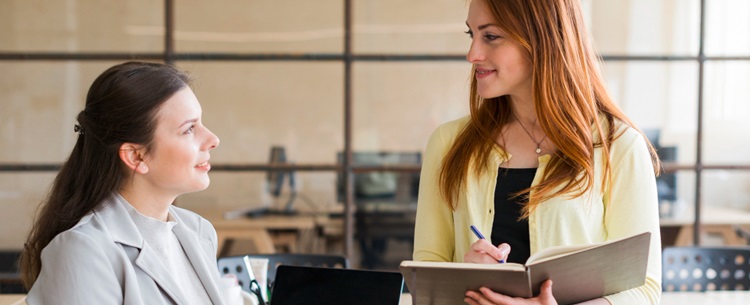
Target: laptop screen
{"points": [[296, 285]]}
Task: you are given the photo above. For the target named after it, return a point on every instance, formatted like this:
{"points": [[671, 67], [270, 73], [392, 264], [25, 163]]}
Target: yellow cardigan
{"points": [[629, 207]]}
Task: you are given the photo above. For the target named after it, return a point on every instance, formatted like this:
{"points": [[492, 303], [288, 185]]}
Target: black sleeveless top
{"points": [[507, 228]]}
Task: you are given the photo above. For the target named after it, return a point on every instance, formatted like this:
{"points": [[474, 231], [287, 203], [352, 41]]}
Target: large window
{"points": [[333, 76]]}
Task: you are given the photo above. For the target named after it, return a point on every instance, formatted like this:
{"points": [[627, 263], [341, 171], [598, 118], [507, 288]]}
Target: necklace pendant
{"points": [[538, 150]]}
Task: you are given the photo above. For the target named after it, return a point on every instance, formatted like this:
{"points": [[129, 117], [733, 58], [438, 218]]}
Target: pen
{"points": [[480, 236]]}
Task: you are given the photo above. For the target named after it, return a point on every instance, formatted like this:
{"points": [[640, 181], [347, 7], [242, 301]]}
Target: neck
{"points": [[151, 204], [524, 111]]}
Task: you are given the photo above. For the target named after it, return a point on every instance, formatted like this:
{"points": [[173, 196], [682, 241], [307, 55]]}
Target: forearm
{"points": [[434, 223], [632, 208]]}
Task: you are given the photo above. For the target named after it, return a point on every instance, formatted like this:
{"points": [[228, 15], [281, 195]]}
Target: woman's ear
{"points": [[132, 155]]}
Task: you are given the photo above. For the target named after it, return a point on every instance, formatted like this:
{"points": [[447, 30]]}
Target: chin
{"points": [[204, 186], [200, 186], [488, 94]]}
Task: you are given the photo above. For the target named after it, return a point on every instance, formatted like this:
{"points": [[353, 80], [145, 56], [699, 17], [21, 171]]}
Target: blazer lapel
{"points": [[196, 250], [116, 215], [149, 262]]}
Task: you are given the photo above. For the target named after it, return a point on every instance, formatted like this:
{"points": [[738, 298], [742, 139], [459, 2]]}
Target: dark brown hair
{"points": [[121, 107]]}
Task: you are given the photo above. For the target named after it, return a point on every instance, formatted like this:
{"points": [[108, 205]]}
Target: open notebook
{"points": [[579, 273], [295, 285]]}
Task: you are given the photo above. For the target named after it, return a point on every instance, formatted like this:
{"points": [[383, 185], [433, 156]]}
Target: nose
{"points": [[212, 141], [475, 54]]}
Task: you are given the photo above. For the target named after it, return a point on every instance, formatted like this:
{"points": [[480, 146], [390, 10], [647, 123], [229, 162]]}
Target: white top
{"points": [[161, 238]]}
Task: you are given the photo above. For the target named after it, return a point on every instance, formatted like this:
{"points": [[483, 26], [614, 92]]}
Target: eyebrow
{"points": [[188, 122], [481, 27]]}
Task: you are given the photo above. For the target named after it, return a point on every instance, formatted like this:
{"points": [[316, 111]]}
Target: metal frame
{"points": [[347, 168]]}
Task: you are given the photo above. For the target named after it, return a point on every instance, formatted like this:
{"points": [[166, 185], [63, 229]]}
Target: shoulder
{"points": [[447, 132], [628, 141], [85, 240], [89, 229], [84, 256], [453, 128]]}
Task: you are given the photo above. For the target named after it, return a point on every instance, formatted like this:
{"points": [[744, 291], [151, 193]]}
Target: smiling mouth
{"points": [[204, 164], [484, 71]]}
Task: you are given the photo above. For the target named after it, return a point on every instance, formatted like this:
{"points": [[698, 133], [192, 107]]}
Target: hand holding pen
{"points": [[482, 251]]}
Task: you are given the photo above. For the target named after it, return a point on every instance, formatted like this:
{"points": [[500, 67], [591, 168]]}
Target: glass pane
{"points": [[727, 189], [661, 99], [727, 28], [83, 25], [676, 194], [20, 194], [397, 105], [726, 203], [725, 112], [676, 207], [253, 106], [644, 27], [259, 26], [41, 100], [315, 192], [407, 27]]}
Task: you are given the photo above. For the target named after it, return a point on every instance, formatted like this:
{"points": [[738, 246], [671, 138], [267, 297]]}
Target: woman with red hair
{"points": [[545, 159]]}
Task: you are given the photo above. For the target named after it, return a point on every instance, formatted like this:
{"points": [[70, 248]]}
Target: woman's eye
{"points": [[471, 34], [490, 37], [190, 130]]}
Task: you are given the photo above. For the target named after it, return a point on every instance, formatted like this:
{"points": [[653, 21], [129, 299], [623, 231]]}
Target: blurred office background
{"points": [[278, 73]]}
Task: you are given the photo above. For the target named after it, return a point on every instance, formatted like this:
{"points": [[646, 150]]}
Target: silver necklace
{"points": [[538, 144]]}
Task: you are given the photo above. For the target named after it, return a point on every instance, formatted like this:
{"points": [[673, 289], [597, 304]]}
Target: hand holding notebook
{"points": [[580, 273]]}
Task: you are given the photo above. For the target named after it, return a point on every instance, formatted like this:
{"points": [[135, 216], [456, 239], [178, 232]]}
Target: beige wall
{"points": [[249, 105], [298, 104]]}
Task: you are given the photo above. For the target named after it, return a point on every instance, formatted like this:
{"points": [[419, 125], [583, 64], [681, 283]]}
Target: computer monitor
{"points": [[275, 178], [666, 183], [275, 184], [399, 187], [385, 205], [653, 135]]}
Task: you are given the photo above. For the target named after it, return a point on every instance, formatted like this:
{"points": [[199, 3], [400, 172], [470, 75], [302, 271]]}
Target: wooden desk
{"points": [[705, 298], [716, 220], [667, 298], [265, 232], [677, 298]]}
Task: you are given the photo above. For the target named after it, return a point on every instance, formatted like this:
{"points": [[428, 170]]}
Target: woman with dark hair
{"points": [[108, 233], [545, 158]]}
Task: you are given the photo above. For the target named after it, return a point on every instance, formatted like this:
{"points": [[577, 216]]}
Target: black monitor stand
{"points": [[275, 179], [265, 211]]}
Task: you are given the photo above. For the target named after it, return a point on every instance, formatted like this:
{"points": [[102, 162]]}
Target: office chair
{"points": [[236, 264], [705, 269], [743, 233], [10, 278]]}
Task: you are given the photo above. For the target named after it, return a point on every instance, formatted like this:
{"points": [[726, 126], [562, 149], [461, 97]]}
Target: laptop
{"points": [[295, 285]]}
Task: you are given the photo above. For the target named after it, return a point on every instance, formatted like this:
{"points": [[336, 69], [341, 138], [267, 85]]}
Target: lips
{"points": [[204, 166], [482, 72]]}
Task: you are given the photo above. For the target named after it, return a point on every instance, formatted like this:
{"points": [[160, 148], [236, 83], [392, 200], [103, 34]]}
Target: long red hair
{"points": [[569, 96]]}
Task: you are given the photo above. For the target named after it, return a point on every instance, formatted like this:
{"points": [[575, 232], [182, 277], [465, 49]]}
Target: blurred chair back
{"points": [[705, 268], [236, 265], [743, 233]]}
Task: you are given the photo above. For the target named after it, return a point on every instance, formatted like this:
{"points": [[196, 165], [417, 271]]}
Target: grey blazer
{"points": [[104, 260]]}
